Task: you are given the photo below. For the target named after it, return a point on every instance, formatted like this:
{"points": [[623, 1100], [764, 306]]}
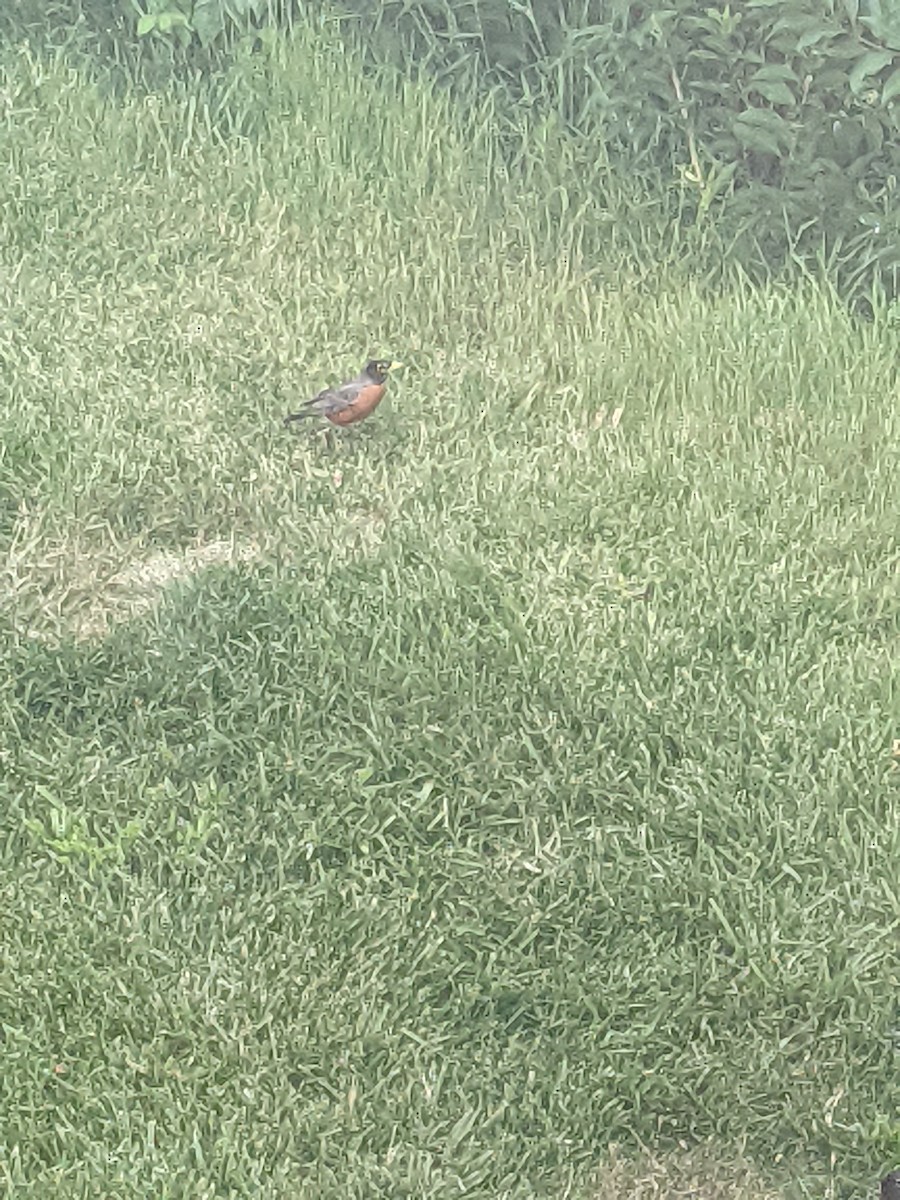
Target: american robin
{"points": [[352, 401]]}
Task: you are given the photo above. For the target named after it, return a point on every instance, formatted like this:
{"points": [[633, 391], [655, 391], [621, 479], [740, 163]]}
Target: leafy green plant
{"points": [[68, 834], [163, 19], [778, 120], [207, 20]]}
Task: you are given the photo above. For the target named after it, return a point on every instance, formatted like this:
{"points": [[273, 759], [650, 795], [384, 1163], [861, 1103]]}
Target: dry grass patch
{"points": [[698, 1174], [65, 590], [138, 586]]}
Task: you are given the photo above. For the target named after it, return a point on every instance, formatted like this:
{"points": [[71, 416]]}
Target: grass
{"points": [[368, 827]]}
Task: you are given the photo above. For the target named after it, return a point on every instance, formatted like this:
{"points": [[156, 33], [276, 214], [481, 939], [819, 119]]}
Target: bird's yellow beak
{"points": [[394, 366]]}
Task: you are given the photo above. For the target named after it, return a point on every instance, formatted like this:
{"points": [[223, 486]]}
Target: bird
{"points": [[352, 401], [890, 1186]]}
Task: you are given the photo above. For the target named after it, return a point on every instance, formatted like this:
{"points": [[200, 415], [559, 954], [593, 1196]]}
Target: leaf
{"points": [[812, 37], [774, 73], [716, 183], [891, 88], [884, 26], [762, 130], [146, 24], [847, 140], [208, 21], [168, 20], [775, 93], [794, 33], [870, 64]]}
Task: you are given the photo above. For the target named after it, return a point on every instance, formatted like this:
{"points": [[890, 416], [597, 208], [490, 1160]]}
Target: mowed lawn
{"points": [[428, 813]]}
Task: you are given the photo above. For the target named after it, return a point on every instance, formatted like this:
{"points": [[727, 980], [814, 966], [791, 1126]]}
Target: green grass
{"points": [[366, 828]]}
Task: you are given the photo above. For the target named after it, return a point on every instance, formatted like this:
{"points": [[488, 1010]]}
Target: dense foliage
{"points": [[777, 120], [782, 118]]}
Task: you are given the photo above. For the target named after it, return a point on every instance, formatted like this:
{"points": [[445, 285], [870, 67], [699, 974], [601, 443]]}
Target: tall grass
{"points": [[426, 814]]}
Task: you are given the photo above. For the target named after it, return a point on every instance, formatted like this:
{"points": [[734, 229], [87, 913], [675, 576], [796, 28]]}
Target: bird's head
{"points": [[379, 368]]}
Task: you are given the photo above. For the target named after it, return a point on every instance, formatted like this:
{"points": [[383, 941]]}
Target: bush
{"points": [[781, 116], [777, 122]]}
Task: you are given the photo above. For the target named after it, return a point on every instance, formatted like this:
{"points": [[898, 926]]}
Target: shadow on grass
{"points": [[438, 870]]}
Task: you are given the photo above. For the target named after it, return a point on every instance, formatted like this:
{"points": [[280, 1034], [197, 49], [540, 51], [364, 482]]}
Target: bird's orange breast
{"points": [[367, 400]]}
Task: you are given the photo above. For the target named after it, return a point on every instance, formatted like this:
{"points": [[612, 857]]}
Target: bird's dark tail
{"points": [[297, 416]]}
